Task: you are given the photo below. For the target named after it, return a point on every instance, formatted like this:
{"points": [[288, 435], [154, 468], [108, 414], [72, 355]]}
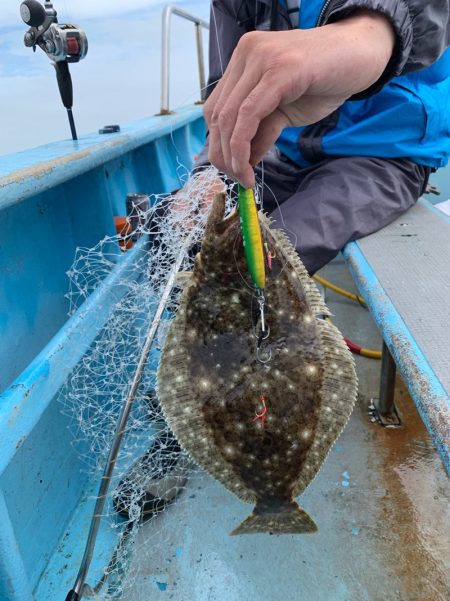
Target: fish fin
{"points": [[338, 393], [183, 278], [281, 241], [215, 218], [219, 230], [292, 521], [219, 221]]}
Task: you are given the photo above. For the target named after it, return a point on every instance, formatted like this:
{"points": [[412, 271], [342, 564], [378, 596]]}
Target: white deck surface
{"points": [[381, 502]]}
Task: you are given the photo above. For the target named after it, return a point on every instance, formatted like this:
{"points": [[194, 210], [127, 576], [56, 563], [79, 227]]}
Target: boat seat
{"points": [[403, 273]]}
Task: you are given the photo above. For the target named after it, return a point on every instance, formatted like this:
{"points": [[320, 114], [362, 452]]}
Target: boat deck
{"points": [[381, 502]]}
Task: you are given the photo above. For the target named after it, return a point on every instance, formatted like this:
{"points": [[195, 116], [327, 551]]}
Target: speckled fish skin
{"points": [[210, 380]]}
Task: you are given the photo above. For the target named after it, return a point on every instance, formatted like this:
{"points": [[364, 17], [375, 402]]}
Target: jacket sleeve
{"points": [[422, 30]]}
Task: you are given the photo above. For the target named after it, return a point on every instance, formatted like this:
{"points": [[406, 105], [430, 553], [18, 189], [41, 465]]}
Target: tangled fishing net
{"points": [[131, 270]]}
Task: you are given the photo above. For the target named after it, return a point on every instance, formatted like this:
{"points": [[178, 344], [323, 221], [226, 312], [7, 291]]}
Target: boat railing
{"points": [[168, 11]]}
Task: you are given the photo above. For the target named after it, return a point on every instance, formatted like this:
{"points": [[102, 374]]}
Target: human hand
{"points": [[290, 78]]}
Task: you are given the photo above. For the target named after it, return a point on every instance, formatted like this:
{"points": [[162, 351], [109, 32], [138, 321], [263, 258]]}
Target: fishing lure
{"points": [[254, 255], [251, 234]]}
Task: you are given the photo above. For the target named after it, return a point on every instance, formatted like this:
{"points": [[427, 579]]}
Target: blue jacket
{"points": [[409, 117], [406, 114]]}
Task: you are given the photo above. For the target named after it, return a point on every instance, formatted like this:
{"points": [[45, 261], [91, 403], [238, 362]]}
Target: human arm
{"points": [[422, 30], [280, 79], [327, 61]]}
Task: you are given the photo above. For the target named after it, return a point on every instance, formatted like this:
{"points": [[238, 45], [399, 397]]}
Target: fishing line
{"points": [[220, 56], [260, 196], [219, 49], [285, 227], [69, 19]]}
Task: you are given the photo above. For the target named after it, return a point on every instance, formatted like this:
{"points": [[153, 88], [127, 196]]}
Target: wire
{"points": [[353, 347], [360, 350], [346, 293]]}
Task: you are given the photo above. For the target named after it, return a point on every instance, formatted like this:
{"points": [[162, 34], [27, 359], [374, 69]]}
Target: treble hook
{"points": [[262, 356], [264, 334], [269, 256], [262, 414]]}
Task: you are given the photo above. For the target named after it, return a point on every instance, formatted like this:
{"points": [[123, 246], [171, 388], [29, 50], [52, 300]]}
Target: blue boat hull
{"points": [[53, 200]]}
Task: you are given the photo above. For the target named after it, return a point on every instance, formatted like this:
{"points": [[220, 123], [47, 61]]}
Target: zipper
{"points": [[322, 12]]}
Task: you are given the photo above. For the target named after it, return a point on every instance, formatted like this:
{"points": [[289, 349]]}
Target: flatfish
{"points": [[259, 421]]}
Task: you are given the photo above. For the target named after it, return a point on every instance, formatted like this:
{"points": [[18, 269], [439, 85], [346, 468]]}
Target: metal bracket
{"points": [[383, 410], [392, 420]]}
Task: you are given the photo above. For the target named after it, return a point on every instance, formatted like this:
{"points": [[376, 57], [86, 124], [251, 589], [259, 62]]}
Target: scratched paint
{"points": [[161, 585], [416, 505], [432, 400], [25, 174]]}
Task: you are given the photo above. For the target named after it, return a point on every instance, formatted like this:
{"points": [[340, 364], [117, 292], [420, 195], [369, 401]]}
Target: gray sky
{"points": [[118, 81]]}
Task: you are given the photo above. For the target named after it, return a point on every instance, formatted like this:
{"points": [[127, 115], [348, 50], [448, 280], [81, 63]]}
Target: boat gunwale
{"points": [[430, 397], [22, 176]]}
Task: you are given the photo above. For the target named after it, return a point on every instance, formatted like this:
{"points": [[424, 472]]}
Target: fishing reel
{"points": [[62, 43]]}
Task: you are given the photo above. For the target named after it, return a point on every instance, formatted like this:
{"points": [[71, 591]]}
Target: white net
{"points": [[151, 469]]}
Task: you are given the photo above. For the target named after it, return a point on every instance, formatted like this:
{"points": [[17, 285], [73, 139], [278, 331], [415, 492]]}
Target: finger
{"points": [[216, 98], [215, 155], [211, 113], [268, 132], [261, 102], [227, 116], [245, 176], [209, 106], [223, 114]]}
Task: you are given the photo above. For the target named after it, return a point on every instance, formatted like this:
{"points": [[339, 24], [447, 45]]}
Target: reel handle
{"points": [[32, 13]]}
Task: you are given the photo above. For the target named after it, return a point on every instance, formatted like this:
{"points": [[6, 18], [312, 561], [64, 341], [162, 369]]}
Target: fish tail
{"points": [[293, 520]]}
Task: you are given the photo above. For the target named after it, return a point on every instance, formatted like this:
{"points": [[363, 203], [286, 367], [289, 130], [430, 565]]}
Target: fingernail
{"points": [[249, 182]]}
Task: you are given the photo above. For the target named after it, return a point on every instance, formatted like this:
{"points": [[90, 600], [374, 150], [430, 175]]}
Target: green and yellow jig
{"points": [[254, 255], [251, 234]]}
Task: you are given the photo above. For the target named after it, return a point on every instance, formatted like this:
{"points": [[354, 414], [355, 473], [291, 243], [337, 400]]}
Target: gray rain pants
{"points": [[337, 200]]}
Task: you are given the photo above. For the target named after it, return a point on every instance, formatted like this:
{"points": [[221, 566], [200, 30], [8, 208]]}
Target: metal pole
{"points": [[168, 11], [166, 18], [200, 61], [387, 383], [77, 592], [73, 130]]}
